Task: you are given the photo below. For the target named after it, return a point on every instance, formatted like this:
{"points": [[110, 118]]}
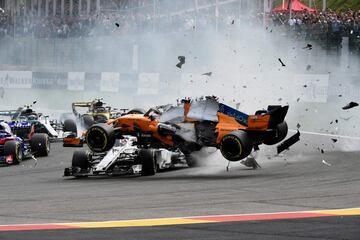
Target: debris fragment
{"points": [[282, 63], [250, 162], [308, 67], [116, 24], [298, 126], [298, 99], [334, 140], [288, 142], [350, 105], [339, 95], [308, 46], [181, 61], [233, 21], [326, 163], [207, 74], [305, 86], [322, 151]]}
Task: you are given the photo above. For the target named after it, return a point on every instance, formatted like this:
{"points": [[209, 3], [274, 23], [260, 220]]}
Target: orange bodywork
{"points": [[133, 122], [72, 142], [228, 124]]}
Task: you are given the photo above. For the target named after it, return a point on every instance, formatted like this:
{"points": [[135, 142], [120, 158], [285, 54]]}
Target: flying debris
{"points": [[334, 140], [326, 163], [298, 99], [288, 142], [233, 21], [116, 24], [207, 74], [305, 86], [298, 126], [350, 105], [250, 162], [181, 61], [282, 63], [322, 151], [339, 95], [308, 67], [308, 46]]}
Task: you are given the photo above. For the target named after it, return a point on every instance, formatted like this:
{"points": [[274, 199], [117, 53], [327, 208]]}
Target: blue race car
{"points": [[15, 148]]}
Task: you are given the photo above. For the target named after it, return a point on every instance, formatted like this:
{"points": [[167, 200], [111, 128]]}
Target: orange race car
{"points": [[193, 124]]}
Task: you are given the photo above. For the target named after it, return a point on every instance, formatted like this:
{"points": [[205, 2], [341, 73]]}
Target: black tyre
{"points": [[148, 160], [80, 160], [40, 144], [100, 137], [13, 148], [70, 126], [136, 111], [236, 145], [100, 119], [281, 132], [88, 120]]}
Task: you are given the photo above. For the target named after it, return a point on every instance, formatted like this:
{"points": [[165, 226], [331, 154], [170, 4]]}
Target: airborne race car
{"points": [[186, 128], [25, 144]]}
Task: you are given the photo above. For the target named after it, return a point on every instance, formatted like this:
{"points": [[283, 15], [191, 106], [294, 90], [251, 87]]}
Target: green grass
{"points": [[337, 5]]}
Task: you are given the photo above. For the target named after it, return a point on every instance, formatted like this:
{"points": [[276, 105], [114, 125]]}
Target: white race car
{"points": [[124, 158]]}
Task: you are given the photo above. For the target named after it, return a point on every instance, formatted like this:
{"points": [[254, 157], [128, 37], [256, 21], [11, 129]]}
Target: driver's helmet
{"points": [[28, 111], [5, 127], [100, 109], [32, 117]]}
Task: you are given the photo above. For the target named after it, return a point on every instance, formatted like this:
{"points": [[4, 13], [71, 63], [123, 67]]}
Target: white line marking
{"points": [[325, 134]]}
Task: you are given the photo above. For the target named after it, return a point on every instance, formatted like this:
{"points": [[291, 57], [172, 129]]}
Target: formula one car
{"points": [[124, 158], [193, 124], [96, 112], [40, 123], [15, 148]]}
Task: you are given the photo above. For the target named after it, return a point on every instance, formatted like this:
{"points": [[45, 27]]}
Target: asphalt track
{"points": [[36, 192]]}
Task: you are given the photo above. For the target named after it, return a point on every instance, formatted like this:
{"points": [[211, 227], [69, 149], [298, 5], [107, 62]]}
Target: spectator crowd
{"points": [[327, 28]]}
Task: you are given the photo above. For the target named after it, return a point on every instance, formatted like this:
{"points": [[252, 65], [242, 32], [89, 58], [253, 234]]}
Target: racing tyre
{"points": [[13, 148], [100, 137], [70, 126], [87, 120], [40, 144], [282, 130], [80, 160], [148, 160], [136, 111], [236, 145]]}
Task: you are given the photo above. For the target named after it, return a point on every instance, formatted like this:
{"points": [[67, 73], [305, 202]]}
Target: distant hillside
{"points": [[337, 5]]}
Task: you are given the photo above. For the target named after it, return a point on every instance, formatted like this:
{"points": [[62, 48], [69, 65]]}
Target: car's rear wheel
{"points": [[88, 120], [70, 126], [40, 144], [13, 148], [81, 160], [148, 160]]}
